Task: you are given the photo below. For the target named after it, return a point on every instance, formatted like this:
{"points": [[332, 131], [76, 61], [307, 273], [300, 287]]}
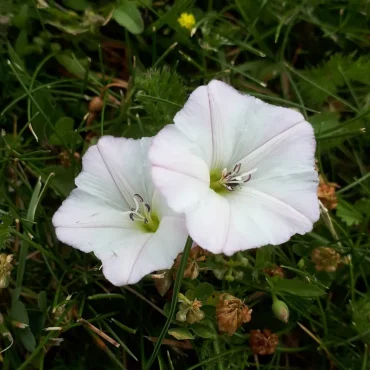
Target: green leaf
{"points": [[76, 66], [323, 122], [64, 128], [27, 339], [63, 179], [181, 333], [203, 331], [21, 43], [17, 62], [51, 109], [20, 19], [296, 287], [300, 249], [348, 213], [360, 319], [19, 312], [128, 15], [80, 5], [42, 301], [203, 291], [263, 256], [5, 226], [37, 322]]}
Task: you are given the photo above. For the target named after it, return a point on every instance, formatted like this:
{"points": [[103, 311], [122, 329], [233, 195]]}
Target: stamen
{"points": [[230, 180], [142, 211], [139, 198], [237, 168]]}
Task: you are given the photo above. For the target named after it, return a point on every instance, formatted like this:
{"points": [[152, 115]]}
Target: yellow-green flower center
{"points": [[143, 215], [226, 181]]}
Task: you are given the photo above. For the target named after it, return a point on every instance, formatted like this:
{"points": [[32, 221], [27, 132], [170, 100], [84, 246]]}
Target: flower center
{"points": [[230, 180], [143, 215]]}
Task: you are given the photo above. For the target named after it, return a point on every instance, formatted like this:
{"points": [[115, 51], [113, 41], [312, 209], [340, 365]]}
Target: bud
{"points": [[263, 343], [229, 277], [231, 314], [325, 259], [280, 309], [5, 269], [96, 104], [326, 193], [189, 311]]}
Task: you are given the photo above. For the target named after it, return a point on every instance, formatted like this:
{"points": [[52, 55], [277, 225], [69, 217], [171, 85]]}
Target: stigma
{"points": [[232, 179], [141, 212]]}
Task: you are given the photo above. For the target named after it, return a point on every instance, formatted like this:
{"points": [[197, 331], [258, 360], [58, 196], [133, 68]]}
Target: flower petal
{"points": [[87, 223], [258, 219], [178, 171], [117, 165], [194, 121], [286, 169], [208, 223], [244, 220], [95, 216], [279, 200], [128, 265]]}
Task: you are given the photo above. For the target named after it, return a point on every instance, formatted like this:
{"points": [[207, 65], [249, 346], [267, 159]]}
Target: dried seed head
{"points": [[263, 343], [197, 254], [5, 269], [325, 259], [274, 270], [231, 314], [65, 158], [326, 193]]}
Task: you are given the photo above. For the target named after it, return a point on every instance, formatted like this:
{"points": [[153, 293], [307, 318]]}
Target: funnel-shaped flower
{"points": [[116, 213], [241, 170]]}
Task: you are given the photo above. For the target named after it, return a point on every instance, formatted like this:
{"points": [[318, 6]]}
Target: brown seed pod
{"points": [[231, 314], [325, 259], [263, 343]]}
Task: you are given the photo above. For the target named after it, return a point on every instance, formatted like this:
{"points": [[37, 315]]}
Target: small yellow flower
{"points": [[186, 20]]}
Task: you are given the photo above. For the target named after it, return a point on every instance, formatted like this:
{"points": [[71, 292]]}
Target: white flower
{"points": [[241, 170], [116, 213]]}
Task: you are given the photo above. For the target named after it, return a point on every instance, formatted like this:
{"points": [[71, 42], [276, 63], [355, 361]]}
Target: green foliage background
{"points": [[55, 56]]}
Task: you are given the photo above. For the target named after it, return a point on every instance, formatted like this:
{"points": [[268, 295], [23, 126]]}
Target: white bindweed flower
{"points": [[242, 171], [116, 213]]}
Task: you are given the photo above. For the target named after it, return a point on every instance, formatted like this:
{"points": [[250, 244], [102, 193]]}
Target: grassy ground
{"points": [[140, 65]]}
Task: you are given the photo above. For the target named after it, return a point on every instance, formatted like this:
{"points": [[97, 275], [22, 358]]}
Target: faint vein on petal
{"points": [[258, 151], [271, 198], [217, 145], [136, 259], [127, 194]]}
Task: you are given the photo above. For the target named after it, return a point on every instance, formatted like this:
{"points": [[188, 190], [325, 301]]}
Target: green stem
{"points": [[176, 290], [216, 348]]}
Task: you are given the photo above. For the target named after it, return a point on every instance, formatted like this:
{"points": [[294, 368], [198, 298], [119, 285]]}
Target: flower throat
{"points": [[143, 215], [230, 180]]}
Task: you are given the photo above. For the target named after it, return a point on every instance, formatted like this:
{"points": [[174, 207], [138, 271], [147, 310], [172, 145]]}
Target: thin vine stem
{"points": [[176, 290]]}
